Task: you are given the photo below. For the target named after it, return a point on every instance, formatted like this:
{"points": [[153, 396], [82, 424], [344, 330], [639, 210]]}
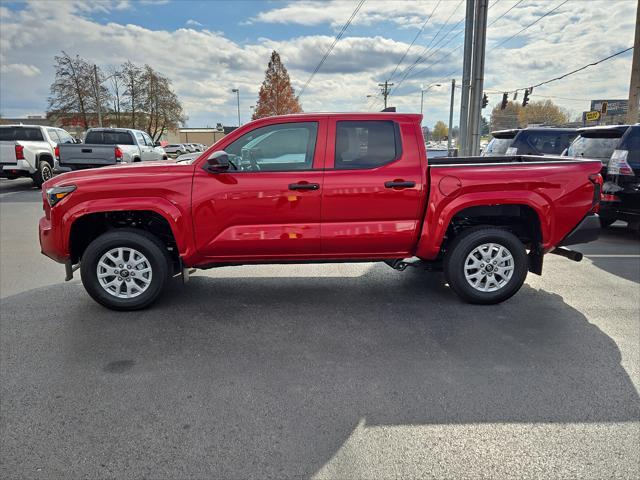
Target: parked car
{"points": [[596, 142], [189, 148], [175, 149], [501, 141], [541, 141], [318, 188], [621, 190], [109, 146], [30, 151]]}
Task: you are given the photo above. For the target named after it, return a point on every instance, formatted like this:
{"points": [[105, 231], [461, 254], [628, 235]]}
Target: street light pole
{"points": [[237, 92], [453, 93], [422, 90]]}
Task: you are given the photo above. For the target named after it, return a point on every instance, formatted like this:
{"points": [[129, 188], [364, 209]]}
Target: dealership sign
{"points": [[611, 107]]}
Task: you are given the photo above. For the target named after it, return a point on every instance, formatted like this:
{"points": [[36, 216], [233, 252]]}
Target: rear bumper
{"points": [[588, 230]]}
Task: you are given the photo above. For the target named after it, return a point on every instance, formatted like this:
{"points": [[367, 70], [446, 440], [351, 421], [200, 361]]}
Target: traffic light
{"points": [[485, 100], [505, 99], [525, 99]]}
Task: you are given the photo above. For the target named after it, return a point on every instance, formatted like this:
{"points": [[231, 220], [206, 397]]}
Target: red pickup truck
{"points": [[319, 188]]}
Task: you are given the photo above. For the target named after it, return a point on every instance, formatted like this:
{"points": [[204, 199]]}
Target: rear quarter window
{"points": [[550, 143], [109, 138]]}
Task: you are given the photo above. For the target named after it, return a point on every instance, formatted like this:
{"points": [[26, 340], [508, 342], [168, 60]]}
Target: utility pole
{"points": [[463, 140], [97, 88], [475, 104], [385, 90], [634, 85], [453, 93]]}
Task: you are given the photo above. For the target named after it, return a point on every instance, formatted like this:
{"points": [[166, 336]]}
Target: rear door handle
{"points": [[304, 186], [399, 184]]}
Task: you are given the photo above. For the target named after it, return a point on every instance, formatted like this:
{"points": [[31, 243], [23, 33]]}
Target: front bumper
{"points": [[50, 243], [588, 230]]}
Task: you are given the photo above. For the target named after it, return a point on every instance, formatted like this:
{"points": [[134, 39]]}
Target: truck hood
{"points": [[118, 171]]}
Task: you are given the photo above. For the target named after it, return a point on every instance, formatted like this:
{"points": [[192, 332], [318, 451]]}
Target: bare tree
{"points": [[134, 90], [71, 90], [117, 90]]}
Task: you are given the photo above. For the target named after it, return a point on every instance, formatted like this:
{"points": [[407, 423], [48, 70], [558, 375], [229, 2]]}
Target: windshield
{"points": [[108, 137], [498, 146], [25, 134], [590, 147]]}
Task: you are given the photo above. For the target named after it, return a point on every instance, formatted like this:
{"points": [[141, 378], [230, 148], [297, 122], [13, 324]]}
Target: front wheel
{"points": [[486, 265], [125, 269]]}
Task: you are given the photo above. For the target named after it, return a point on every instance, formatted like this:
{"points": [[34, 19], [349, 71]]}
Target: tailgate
{"points": [[8, 153], [87, 155]]}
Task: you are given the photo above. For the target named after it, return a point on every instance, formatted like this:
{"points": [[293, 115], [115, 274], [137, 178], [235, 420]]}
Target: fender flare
{"points": [[440, 213], [177, 219]]}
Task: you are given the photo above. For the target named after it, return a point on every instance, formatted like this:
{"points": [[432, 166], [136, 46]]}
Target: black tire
{"points": [[145, 243], [464, 245], [44, 173], [607, 221]]}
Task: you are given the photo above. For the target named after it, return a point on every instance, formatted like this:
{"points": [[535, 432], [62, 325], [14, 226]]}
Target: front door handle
{"points": [[304, 186], [399, 184]]}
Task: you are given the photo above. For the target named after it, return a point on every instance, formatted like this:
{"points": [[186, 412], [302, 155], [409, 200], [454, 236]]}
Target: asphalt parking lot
{"points": [[332, 371]]}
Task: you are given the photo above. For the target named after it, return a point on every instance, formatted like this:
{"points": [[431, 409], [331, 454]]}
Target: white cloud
{"points": [[193, 23], [204, 65]]}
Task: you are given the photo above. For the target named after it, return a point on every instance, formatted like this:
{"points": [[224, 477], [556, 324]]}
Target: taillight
{"points": [[19, 152], [596, 179], [118, 154], [618, 164], [56, 152]]}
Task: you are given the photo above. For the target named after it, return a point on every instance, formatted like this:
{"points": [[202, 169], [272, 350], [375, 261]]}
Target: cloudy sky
{"points": [[207, 48]]}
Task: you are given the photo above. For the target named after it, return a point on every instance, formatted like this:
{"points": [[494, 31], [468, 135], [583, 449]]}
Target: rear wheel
{"points": [[486, 265], [44, 173], [125, 269]]}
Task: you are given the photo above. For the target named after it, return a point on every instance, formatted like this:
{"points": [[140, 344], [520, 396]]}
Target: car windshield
{"points": [[498, 146], [26, 134], [108, 137], [593, 147]]}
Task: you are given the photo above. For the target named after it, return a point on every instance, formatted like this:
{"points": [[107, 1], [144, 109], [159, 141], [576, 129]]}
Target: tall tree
{"points": [[117, 90], [440, 130], [134, 88], [74, 92], [507, 118], [276, 95], [543, 111]]}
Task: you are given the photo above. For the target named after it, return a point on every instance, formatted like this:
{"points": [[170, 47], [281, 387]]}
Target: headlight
{"points": [[55, 194]]}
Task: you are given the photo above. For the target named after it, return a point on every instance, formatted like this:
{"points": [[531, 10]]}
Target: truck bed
{"points": [[501, 160]]}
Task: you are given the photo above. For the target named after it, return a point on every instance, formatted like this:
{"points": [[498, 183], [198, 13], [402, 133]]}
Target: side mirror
{"points": [[156, 144], [77, 140], [218, 162]]}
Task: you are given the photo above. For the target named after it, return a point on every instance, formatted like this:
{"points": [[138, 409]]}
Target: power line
{"points": [[421, 58], [335, 41], [414, 39], [514, 6], [528, 26]]}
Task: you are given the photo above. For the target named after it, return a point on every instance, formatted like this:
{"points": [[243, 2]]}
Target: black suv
{"points": [[542, 141], [621, 190]]}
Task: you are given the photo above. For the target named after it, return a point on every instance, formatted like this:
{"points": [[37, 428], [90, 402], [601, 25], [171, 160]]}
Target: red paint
{"points": [[254, 216]]}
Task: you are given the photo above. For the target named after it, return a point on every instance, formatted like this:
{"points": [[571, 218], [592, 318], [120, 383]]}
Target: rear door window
{"points": [[25, 134], [64, 137], [366, 144], [53, 135]]}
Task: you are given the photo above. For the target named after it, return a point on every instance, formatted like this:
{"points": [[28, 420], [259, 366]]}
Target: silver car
{"points": [[175, 149]]}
